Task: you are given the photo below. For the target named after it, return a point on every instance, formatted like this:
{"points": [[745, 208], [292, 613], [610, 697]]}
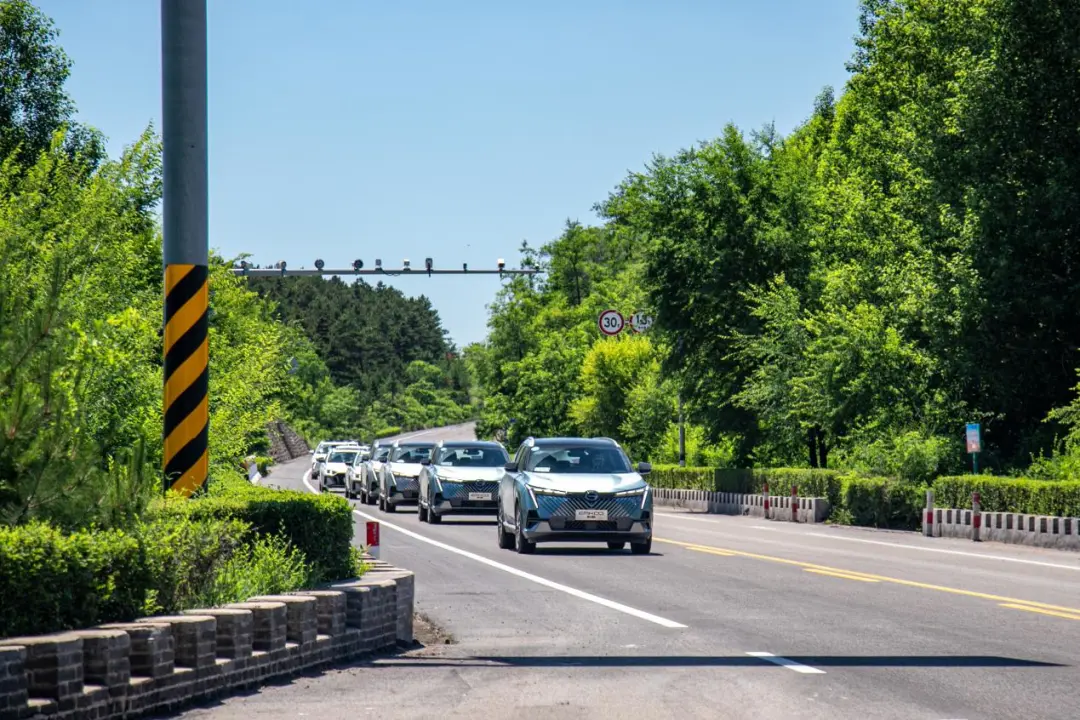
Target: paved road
{"points": [[859, 624]]}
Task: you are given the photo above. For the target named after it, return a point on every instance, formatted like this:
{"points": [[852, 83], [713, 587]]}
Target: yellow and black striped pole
{"points": [[186, 247], [187, 373]]}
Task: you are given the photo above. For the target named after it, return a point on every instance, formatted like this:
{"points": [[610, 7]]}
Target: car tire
{"points": [[616, 545], [433, 517], [642, 548], [389, 507], [523, 546], [372, 500], [506, 540], [382, 503], [421, 512]]}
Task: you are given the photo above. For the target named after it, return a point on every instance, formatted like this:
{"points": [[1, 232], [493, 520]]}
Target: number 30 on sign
{"points": [[611, 322]]}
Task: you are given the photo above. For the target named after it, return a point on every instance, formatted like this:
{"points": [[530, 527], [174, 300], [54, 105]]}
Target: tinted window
{"points": [[412, 453], [578, 459], [342, 457], [472, 457]]}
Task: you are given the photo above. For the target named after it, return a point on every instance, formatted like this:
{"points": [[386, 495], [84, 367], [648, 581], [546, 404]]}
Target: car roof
{"points": [[586, 442], [491, 444]]}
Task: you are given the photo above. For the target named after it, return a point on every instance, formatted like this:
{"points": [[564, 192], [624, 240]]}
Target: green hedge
{"points": [[868, 501], [181, 554], [51, 580], [319, 525], [1017, 495]]}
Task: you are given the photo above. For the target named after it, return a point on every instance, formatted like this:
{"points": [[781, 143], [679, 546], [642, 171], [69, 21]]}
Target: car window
{"points": [[342, 457], [383, 454], [412, 453], [578, 459], [472, 457]]}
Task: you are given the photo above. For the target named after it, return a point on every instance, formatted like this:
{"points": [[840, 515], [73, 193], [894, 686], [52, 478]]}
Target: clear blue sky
{"points": [[353, 128]]}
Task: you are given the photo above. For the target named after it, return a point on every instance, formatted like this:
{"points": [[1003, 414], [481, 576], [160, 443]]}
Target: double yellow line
{"points": [[1005, 602]]}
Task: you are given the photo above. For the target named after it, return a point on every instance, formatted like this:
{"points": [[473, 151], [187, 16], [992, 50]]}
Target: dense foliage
{"points": [[379, 362], [847, 296]]}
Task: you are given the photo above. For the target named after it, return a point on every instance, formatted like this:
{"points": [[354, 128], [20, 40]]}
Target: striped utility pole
{"points": [[186, 245]]}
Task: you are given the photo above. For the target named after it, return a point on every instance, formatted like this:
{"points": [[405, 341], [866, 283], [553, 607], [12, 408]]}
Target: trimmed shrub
{"points": [[320, 526], [1015, 495], [677, 477]]}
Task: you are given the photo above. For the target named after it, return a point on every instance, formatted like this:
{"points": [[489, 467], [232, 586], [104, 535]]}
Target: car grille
{"points": [[564, 506], [461, 490], [406, 484]]}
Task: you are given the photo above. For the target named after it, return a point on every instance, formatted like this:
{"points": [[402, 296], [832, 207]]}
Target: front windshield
{"points": [[382, 455], [578, 459], [342, 457], [473, 457], [412, 453]]}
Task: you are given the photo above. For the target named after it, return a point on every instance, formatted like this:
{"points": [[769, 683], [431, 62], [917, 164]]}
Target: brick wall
{"points": [[158, 664]]}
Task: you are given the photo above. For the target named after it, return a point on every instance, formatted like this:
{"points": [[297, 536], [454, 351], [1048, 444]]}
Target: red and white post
{"points": [[372, 532], [976, 515], [765, 497], [794, 503], [928, 516]]}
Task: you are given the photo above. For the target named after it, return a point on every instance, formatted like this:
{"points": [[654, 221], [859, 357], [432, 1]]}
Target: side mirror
{"points": [[510, 467], [644, 468], [425, 461]]}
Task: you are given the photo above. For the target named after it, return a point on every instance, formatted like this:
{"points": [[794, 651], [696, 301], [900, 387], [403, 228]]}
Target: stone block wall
{"points": [[159, 664]]}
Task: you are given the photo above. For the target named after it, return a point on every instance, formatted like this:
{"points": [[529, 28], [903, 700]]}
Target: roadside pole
{"points": [[682, 435], [185, 245]]}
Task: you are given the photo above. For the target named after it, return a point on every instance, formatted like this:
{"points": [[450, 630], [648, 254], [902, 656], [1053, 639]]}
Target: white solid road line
{"points": [[641, 614], [789, 664], [902, 546]]}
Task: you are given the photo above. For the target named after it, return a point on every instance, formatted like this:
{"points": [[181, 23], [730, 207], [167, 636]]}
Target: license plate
{"points": [[479, 496], [590, 514]]}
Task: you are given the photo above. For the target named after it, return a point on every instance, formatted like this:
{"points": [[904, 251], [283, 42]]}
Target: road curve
{"points": [[730, 617]]}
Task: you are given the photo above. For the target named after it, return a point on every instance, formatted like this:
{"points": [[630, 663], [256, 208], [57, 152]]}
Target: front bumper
{"points": [[404, 491], [572, 519], [466, 498], [334, 481]]}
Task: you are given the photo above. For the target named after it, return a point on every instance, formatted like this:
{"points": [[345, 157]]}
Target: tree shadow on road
{"points": [[659, 661]]}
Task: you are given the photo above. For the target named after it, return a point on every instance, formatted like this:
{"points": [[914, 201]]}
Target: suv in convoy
{"points": [[363, 477], [323, 449], [461, 478], [332, 470], [399, 478], [574, 490]]}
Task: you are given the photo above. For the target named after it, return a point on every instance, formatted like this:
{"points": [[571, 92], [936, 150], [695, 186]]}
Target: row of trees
{"points": [[850, 295], [81, 320]]}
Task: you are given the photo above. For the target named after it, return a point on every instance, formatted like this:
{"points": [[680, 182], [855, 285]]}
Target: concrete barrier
{"points": [[159, 664], [1014, 528], [775, 507]]}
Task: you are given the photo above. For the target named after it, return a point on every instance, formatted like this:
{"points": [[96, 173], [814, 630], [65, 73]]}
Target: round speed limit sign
{"points": [[611, 322]]}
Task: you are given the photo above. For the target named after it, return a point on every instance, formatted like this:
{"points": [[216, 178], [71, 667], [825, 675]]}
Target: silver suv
{"points": [[461, 478]]}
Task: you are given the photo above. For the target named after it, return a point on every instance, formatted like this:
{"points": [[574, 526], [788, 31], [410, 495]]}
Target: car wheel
{"points": [[523, 546], [382, 503], [433, 517], [643, 548], [506, 540], [616, 545], [371, 499], [389, 506], [421, 512]]}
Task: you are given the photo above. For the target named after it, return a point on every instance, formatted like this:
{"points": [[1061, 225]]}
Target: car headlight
{"points": [[631, 493], [545, 491]]}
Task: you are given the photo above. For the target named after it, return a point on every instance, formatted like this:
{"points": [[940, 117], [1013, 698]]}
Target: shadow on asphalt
{"points": [[629, 661]]}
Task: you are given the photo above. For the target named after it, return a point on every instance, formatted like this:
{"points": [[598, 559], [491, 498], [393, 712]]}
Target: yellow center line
{"points": [[711, 551], [1067, 616], [845, 576], [882, 578]]}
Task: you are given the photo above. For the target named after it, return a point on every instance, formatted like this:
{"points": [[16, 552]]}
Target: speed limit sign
{"points": [[611, 322], [641, 321]]}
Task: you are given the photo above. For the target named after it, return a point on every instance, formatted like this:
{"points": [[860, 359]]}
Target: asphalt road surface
{"points": [[730, 617]]}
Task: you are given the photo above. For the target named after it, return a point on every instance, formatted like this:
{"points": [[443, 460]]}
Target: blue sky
{"points": [[354, 128]]}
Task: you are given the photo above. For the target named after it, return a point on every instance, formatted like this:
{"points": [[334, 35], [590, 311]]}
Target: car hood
{"points": [[405, 469], [450, 473], [336, 467], [582, 482]]}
